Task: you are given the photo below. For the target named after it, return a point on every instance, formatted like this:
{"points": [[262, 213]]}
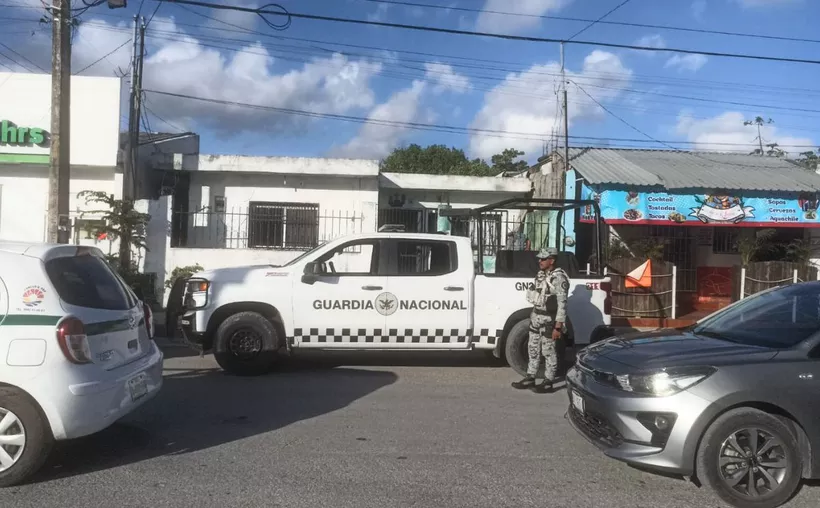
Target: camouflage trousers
{"points": [[541, 344]]}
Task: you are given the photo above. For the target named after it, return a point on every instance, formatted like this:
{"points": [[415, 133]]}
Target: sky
{"points": [[480, 94]]}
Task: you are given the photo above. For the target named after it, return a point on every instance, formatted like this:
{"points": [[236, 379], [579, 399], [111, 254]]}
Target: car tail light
{"points": [[149, 320], [73, 341], [607, 287]]}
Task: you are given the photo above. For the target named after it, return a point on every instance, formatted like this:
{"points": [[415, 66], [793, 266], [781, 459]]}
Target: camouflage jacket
{"points": [[549, 293]]}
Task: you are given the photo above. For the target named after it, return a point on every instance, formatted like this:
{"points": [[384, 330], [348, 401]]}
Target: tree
{"points": [[809, 160], [434, 160], [505, 161], [117, 218], [759, 122]]}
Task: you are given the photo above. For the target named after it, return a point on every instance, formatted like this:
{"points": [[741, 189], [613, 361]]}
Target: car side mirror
{"points": [[311, 272]]}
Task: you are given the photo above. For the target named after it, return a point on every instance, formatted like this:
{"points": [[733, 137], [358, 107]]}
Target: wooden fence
{"points": [[657, 301], [757, 277]]}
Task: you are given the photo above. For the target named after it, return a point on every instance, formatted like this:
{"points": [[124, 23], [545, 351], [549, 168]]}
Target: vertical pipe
{"points": [[674, 291]]}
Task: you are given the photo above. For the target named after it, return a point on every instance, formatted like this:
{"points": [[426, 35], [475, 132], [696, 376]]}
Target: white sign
{"points": [[25, 119]]}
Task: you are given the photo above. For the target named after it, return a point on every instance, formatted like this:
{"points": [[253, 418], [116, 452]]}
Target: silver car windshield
{"points": [[779, 319]]}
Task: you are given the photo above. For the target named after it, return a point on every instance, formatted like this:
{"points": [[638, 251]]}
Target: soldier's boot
{"points": [[526, 382], [545, 387]]}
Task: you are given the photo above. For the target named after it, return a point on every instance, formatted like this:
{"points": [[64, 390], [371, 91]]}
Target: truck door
{"points": [[430, 294], [340, 308]]}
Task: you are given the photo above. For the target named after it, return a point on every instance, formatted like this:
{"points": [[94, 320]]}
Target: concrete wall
{"points": [[95, 115], [346, 205], [288, 165], [24, 198]]}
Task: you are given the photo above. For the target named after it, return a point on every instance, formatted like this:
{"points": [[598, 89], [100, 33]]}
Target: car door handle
{"points": [[372, 288], [454, 288]]}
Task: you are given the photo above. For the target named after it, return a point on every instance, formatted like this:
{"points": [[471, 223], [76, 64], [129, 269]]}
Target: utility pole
{"points": [[566, 112], [59, 164], [131, 160]]}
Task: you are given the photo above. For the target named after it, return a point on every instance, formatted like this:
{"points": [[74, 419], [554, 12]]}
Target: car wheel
{"points": [[750, 459], [25, 437], [246, 344]]}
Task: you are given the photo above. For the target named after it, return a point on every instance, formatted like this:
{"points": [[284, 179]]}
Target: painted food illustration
{"points": [[811, 215], [677, 217], [632, 198], [633, 214], [721, 202]]}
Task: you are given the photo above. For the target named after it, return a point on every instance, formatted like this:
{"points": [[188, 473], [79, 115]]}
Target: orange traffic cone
{"points": [[640, 277]]}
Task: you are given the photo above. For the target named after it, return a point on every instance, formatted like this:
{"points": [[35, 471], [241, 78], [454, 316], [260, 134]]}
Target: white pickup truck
{"points": [[377, 291]]}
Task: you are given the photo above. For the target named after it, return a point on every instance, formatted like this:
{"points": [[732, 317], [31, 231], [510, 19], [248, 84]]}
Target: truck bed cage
{"points": [[533, 204]]}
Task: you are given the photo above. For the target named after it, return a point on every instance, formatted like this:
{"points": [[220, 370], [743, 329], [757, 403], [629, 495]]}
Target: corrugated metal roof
{"points": [[675, 170]]}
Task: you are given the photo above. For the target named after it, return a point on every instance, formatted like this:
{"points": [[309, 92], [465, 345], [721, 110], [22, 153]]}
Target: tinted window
{"points": [[87, 281], [780, 318], [424, 258], [355, 258]]}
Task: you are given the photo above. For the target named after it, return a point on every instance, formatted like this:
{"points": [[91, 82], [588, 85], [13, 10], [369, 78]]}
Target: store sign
{"points": [[12, 134], [659, 208]]}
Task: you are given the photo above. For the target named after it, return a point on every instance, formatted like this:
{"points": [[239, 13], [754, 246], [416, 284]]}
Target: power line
{"points": [[95, 62], [12, 60], [427, 126], [602, 22], [579, 32], [666, 80], [492, 35]]}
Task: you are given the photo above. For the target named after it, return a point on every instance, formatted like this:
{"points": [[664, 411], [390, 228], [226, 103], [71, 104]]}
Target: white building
{"points": [[25, 122], [230, 210]]}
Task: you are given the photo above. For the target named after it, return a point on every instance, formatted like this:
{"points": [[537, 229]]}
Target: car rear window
{"points": [[87, 281]]}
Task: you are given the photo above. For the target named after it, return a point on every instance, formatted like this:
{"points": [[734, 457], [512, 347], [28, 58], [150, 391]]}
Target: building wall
{"points": [[24, 198], [346, 205]]}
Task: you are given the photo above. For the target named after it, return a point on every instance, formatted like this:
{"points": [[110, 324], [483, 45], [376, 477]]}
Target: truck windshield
{"points": [[304, 254], [778, 319]]}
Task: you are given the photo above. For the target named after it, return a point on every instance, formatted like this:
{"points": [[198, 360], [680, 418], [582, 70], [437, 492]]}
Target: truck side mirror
{"points": [[311, 272]]}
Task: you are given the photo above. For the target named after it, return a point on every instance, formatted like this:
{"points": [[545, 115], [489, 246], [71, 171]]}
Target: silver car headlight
{"points": [[665, 382]]}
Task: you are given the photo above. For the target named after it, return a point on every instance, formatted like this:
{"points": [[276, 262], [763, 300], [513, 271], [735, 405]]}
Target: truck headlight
{"points": [[196, 293], [665, 382]]}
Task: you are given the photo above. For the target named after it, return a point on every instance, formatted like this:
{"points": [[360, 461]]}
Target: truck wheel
{"points": [[246, 344], [25, 437], [515, 348], [750, 458]]}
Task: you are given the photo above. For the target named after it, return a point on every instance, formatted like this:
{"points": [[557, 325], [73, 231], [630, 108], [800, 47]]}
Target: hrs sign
{"points": [[13, 135]]}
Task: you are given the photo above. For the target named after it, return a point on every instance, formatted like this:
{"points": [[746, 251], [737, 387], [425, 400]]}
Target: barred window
{"points": [[283, 225], [725, 240]]}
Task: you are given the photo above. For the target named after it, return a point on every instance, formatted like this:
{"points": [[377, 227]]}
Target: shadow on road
{"points": [[200, 409]]}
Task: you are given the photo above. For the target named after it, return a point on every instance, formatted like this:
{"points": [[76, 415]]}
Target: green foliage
{"points": [[505, 161], [642, 248], [441, 160], [183, 272], [118, 216], [751, 247], [809, 160]]}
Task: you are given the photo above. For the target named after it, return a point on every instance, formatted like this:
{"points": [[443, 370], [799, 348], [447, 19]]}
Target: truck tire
{"points": [[517, 355], [515, 348], [246, 344], [23, 418]]}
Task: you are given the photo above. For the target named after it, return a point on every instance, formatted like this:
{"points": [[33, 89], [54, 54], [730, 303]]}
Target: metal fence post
{"points": [[605, 270], [795, 276], [674, 291], [589, 269], [742, 282]]}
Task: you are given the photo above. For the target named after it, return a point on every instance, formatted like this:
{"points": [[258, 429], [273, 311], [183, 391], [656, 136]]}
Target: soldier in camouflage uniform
{"points": [[547, 320]]}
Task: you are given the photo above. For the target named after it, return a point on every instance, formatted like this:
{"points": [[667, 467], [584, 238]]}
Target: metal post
{"points": [[566, 113], [589, 269], [674, 291], [59, 171], [795, 276], [742, 283]]}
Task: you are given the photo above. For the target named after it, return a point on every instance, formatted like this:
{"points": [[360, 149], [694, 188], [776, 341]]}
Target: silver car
{"points": [[731, 400]]}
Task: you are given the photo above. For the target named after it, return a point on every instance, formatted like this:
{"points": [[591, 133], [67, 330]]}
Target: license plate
{"points": [[578, 402], [138, 386]]}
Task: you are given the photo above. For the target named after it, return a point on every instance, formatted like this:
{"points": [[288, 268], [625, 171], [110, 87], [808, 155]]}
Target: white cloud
{"points": [[506, 108], [380, 14], [446, 78], [377, 140], [650, 41], [698, 9], [692, 62], [238, 19], [500, 23], [711, 134]]}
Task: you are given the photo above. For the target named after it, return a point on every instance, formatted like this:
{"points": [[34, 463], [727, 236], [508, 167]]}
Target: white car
{"points": [[76, 351], [377, 291]]}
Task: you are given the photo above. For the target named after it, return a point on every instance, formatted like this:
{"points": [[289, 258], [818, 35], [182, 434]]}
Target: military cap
{"points": [[547, 252]]}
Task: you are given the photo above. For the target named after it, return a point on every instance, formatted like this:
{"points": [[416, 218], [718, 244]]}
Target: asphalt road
{"points": [[349, 431]]}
